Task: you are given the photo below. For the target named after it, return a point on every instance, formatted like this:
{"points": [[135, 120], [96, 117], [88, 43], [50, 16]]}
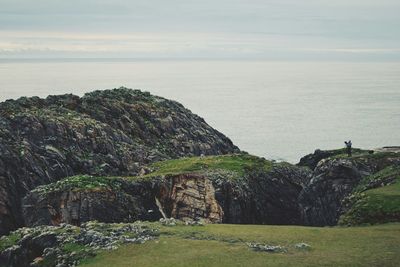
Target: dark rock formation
{"points": [[184, 196], [321, 201], [117, 201], [67, 245], [28, 248], [262, 196], [112, 132], [311, 160], [332, 180]]}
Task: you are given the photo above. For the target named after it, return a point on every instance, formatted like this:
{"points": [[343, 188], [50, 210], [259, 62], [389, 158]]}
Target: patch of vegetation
{"points": [[9, 240], [388, 174], [235, 163], [356, 153], [78, 183], [375, 205], [331, 246]]}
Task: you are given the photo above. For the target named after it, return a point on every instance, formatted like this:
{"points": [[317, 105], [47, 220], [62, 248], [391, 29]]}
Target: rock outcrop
{"points": [[334, 179], [184, 196], [80, 199], [190, 197], [265, 193], [311, 160], [262, 196], [60, 156], [66, 245], [111, 132]]}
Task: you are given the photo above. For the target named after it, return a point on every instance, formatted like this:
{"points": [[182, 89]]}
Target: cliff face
{"points": [[151, 144], [189, 197], [80, 199], [262, 196], [264, 193], [112, 132], [228, 189], [322, 201]]}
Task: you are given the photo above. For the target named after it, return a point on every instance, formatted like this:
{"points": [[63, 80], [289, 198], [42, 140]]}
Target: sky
{"points": [[186, 29]]}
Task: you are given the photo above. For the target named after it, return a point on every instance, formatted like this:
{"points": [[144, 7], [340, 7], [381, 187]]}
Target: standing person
{"points": [[348, 147]]}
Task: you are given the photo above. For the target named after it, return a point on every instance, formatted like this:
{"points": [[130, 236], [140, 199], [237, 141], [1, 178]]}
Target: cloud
{"points": [[208, 28]]}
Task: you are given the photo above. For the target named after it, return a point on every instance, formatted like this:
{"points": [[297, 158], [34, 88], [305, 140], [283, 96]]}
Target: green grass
{"points": [[382, 175], [79, 182], [237, 163], [224, 245], [356, 153], [377, 205], [9, 240]]}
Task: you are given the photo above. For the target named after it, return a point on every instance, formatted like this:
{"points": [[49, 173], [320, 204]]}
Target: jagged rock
{"points": [[311, 160], [334, 179], [266, 193], [331, 182], [66, 245], [262, 196], [184, 197], [190, 197], [28, 248], [86, 198], [111, 132]]}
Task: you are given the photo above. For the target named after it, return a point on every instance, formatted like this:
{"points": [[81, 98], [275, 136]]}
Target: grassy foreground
{"points": [[225, 245]]}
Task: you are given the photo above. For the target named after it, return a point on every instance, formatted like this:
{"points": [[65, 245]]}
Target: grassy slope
{"points": [[356, 246], [236, 164], [378, 205], [79, 182]]}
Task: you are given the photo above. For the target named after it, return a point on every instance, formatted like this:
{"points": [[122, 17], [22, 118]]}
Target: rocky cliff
{"points": [[123, 155], [111, 132], [335, 179], [235, 188]]}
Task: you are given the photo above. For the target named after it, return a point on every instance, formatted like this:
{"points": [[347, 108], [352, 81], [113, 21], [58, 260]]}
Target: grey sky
{"points": [[271, 29]]}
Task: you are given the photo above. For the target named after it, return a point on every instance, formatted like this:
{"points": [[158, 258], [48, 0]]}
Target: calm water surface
{"points": [[279, 110]]}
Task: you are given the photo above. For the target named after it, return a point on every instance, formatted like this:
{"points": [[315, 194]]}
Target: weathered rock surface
{"points": [[334, 179], [262, 196], [112, 132], [28, 248], [311, 160], [66, 245], [184, 196], [118, 201], [190, 197]]}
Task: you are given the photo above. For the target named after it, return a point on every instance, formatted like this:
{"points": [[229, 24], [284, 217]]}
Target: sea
{"points": [[279, 110]]}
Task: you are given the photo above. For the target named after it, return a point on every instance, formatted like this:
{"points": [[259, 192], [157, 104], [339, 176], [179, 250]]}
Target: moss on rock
{"points": [[375, 200]]}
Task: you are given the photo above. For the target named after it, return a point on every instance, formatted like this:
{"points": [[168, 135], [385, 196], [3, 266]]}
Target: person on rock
{"points": [[348, 147]]}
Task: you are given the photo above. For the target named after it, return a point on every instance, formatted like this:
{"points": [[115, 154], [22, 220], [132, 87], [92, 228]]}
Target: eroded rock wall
{"points": [[111, 132], [263, 197], [190, 197], [321, 201], [134, 201]]}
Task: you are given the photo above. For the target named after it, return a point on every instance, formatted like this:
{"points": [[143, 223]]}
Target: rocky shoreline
{"points": [[121, 156]]}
